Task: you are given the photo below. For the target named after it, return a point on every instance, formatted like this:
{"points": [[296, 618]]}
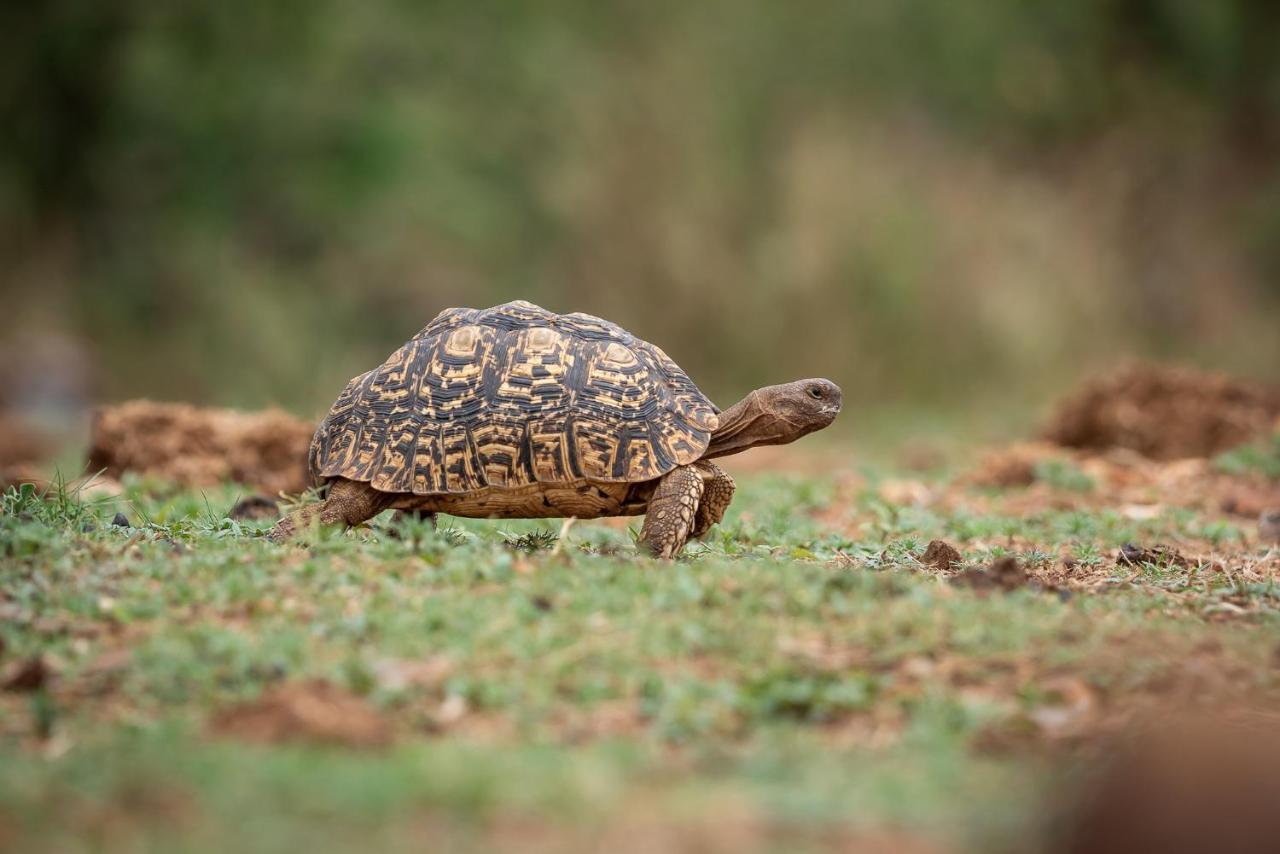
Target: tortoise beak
{"points": [[833, 399]]}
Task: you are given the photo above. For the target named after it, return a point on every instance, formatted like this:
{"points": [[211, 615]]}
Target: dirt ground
{"points": [[1164, 412], [1115, 478], [195, 446], [313, 712]]}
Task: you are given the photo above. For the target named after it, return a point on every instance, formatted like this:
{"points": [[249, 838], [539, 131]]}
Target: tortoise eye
{"points": [[815, 392]]}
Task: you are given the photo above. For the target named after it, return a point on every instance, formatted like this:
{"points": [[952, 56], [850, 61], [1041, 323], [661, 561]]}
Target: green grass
{"points": [[1261, 457], [784, 675]]}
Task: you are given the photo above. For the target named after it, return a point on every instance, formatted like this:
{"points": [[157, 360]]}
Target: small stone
{"points": [[1131, 554], [121, 521]]}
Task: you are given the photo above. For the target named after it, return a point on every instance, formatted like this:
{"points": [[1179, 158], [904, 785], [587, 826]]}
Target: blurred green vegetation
{"points": [[936, 204]]}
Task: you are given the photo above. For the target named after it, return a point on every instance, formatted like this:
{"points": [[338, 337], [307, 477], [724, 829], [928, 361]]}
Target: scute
{"points": [[511, 396]]}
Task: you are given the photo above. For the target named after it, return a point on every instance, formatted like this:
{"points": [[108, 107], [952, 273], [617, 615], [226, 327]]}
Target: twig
{"points": [[564, 531]]}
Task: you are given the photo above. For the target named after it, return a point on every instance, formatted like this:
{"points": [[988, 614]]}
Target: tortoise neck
{"points": [[747, 424]]}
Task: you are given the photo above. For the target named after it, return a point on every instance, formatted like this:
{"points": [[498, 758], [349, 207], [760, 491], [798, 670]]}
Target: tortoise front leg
{"points": [[348, 503], [716, 494], [299, 520], [670, 515]]}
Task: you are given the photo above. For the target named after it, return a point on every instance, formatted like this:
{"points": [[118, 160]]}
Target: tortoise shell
{"points": [[512, 396]]}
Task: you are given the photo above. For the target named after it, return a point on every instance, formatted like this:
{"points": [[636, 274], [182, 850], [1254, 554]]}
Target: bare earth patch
{"points": [[314, 712], [192, 446], [1164, 412]]}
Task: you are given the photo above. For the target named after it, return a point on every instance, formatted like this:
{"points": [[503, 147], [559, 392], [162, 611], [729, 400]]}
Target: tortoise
{"points": [[515, 412]]}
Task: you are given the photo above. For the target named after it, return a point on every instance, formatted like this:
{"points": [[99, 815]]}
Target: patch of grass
{"points": [[1063, 474], [1259, 458], [822, 680], [531, 541]]}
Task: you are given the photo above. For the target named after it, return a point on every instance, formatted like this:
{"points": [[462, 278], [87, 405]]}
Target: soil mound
{"points": [[942, 555], [201, 447], [1164, 412]]}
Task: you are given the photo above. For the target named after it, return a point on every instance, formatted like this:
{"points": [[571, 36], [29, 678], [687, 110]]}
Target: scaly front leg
{"points": [[716, 494], [672, 511], [299, 520], [348, 503]]}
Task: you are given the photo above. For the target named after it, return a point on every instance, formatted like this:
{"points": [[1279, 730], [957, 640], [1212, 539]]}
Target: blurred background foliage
{"points": [[946, 207]]}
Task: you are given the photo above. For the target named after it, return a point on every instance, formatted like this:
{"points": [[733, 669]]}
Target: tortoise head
{"points": [[776, 415]]}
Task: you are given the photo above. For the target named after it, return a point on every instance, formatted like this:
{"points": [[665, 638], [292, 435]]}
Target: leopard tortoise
{"points": [[515, 412]]}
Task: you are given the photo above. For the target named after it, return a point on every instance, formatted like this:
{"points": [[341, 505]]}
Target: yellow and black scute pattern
{"points": [[512, 396]]}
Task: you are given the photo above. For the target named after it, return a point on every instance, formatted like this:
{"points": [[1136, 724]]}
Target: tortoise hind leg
{"points": [[716, 495], [349, 503], [672, 508]]}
